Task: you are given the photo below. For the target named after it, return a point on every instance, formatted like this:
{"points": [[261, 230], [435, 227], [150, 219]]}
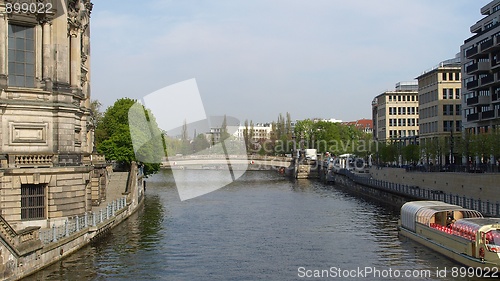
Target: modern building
{"points": [[480, 56], [46, 136], [440, 104], [395, 114]]}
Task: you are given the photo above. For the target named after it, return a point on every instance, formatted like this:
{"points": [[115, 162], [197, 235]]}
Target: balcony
{"points": [[490, 114], [495, 62], [473, 117], [470, 53], [473, 100], [488, 79], [472, 84], [495, 98], [486, 45], [496, 43], [30, 160], [477, 100], [478, 67]]}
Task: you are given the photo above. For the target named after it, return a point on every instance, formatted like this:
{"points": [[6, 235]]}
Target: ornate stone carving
{"points": [[83, 77], [78, 15]]}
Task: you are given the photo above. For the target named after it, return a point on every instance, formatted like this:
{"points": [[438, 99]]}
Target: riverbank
{"points": [[482, 186], [378, 185], [23, 254]]}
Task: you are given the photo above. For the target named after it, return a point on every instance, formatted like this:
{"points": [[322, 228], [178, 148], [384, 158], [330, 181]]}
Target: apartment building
{"points": [[260, 131], [439, 92], [395, 113], [480, 56]]}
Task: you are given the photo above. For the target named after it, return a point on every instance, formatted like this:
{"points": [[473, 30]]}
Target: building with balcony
{"points": [[46, 135], [395, 114], [480, 56], [439, 103]]}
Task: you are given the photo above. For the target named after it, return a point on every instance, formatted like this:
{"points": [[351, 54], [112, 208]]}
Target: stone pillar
{"points": [[3, 50], [75, 60], [47, 55]]}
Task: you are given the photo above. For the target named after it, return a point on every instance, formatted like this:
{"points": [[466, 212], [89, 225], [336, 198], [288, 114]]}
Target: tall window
{"points": [[21, 56], [32, 201]]}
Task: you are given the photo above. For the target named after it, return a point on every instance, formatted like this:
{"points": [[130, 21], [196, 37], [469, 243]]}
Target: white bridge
{"points": [[217, 161]]}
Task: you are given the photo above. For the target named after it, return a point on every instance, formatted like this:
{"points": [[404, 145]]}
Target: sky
{"points": [[256, 59]]}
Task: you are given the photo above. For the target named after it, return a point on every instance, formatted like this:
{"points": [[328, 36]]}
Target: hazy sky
{"points": [[256, 59]]}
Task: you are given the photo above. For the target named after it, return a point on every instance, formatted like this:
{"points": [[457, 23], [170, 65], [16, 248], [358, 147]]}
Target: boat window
{"points": [[493, 240]]}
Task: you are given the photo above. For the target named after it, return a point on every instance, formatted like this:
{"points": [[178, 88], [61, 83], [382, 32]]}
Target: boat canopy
{"points": [[423, 212]]}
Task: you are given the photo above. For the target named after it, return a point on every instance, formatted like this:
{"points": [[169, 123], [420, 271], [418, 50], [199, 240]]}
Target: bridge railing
{"points": [[486, 207]]}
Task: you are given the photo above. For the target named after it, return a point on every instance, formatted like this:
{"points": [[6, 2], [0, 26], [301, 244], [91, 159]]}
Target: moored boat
{"points": [[461, 234]]}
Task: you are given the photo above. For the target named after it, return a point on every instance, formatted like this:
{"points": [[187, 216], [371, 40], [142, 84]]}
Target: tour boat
{"points": [[460, 234]]}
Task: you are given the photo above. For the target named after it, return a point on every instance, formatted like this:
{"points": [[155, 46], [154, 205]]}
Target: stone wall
{"points": [[478, 186], [67, 193]]}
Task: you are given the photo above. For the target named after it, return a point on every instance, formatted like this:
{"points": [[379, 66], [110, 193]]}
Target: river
{"points": [[261, 227]]}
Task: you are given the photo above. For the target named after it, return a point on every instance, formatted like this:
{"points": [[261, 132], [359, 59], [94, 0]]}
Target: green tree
{"points": [[114, 139], [387, 152], [411, 153], [494, 143], [224, 134], [288, 126], [200, 143]]}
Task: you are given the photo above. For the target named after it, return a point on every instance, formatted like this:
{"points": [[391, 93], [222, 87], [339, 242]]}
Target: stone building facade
{"points": [[440, 113], [395, 114], [46, 133]]}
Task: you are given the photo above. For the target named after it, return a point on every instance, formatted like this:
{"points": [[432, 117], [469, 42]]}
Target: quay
{"points": [[33, 248], [395, 186]]}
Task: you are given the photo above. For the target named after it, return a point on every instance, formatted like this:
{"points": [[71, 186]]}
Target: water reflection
{"points": [[259, 227]]}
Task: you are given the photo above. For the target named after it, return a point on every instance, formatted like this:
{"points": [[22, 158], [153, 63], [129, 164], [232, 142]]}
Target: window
{"points": [[458, 109], [457, 93], [444, 76], [447, 126], [457, 76], [392, 111], [21, 56], [447, 109], [445, 94], [32, 201], [450, 76]]}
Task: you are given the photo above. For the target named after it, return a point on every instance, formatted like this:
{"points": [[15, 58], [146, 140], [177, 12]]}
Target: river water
{"points": [[261, 227]]}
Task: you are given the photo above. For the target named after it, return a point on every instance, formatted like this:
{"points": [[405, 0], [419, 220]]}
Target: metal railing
{"points": [[487, 208], [79, 223]]}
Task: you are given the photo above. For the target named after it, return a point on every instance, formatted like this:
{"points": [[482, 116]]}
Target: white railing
{"points": [[79, 223]]}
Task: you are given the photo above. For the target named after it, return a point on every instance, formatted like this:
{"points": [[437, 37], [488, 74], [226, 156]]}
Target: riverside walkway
{"points": [[115, 189]]}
